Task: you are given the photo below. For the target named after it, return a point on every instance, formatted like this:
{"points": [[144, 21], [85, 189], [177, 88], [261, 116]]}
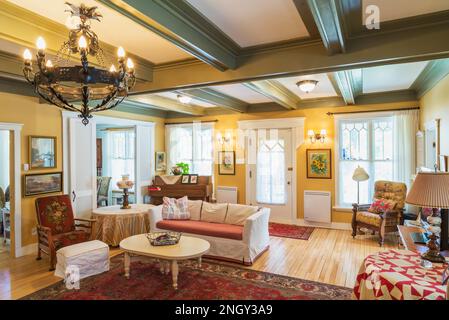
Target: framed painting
{"points": [[41, 183], [42, 152], [226, 162], [185, 179], [193, 179], [161, 164], [319, 163]]}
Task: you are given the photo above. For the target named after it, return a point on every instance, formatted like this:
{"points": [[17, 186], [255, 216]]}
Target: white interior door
{"points": [[82, 187], [271, 174]]}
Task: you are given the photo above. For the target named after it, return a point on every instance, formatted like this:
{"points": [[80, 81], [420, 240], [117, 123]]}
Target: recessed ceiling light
{"points": [[307, 85], [184, 99]]}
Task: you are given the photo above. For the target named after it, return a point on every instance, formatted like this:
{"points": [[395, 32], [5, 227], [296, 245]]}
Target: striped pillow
{"points": [[175, 209]]}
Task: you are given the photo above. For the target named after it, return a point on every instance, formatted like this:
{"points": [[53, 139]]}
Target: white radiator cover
{"points": [[226, 194], [317, 206]]}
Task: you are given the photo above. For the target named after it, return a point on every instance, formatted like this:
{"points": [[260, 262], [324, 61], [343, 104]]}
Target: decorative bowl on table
{"points": [[163, 238]]}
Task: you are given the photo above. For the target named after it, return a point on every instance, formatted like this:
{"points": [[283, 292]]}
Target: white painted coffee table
{"points": [[186, 248]]}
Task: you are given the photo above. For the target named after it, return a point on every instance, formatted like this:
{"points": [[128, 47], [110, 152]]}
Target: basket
{"points": [[163, 238]]}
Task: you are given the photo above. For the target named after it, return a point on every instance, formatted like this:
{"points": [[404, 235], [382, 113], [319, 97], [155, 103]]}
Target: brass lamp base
{"points": [[433, 254], [125, 204]]}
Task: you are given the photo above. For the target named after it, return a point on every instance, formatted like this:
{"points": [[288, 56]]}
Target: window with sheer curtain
{"points": [[369, 144], [192, 144], [383, 144], [121, 152]]}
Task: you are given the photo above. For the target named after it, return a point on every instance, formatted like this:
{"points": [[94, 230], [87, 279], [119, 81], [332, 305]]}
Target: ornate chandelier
{"points": [[83, 89]]}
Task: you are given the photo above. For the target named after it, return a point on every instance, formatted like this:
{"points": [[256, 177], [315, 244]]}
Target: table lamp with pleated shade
{"points": [[359, 175], [431, 189]]}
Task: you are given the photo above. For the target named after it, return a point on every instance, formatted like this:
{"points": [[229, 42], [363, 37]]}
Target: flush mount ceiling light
{"points": [[307, 85], [63, 86], [184, 99]]}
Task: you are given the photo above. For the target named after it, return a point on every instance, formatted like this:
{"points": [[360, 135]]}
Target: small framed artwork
{"points": [[319, 163], [193, 179], [40, 183], [161, 164], [185, 179], [226, 162], [42, 152]]}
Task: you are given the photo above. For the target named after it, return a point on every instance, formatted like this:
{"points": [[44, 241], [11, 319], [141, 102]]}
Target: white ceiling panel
{"points": [[174, 96], [254, 22], [241, 92], [323, 88], [114, 29], [399, 9], [391, 77]]}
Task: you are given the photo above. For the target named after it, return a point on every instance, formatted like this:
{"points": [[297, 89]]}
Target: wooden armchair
{"points": [[381, 222], [57, 228]]}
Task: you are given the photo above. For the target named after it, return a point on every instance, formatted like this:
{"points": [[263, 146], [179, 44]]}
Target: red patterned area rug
{"points": [[290, 231], [213, 281]]}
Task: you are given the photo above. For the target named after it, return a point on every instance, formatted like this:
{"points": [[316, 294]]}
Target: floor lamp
{"points": [[359, 175], [431, 189]]}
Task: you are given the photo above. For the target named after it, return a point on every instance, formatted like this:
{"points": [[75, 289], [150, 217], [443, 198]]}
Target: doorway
{"points": [[5, 193], [115, 154], [271, 174]]}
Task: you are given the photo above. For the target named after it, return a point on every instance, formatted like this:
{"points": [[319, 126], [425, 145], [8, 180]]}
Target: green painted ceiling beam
{"points": [[216, 98], [181, 24], [307, 17], [433, 72], [163, 103], [275, 91], [348, 84], [420, 44], [329, 24], [386, 97]]}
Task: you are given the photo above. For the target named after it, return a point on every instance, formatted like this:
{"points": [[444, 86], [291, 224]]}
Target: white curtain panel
{"points": [[406, 124]]}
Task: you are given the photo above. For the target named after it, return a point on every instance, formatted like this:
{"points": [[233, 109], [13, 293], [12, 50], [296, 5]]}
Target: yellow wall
{"points": [[315, 119], [43, 119], [435, 105]]}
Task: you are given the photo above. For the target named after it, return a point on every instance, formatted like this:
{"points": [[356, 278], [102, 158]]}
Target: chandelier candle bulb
{"points": [[82, 43], [121, 53], [49, 64], [112, 69], [130, 65], [40, 44], [27, 56]]}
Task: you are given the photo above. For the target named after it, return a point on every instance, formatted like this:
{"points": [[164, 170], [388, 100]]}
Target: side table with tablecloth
{"points": [[115, 224], [398, 275]]}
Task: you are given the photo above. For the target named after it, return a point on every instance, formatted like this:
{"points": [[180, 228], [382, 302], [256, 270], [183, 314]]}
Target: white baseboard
{"points": [[332, 225], [29, 249]]}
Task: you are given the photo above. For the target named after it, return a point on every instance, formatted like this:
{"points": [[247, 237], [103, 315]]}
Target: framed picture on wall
{"points": [[42, 152], [226, 162], [319, 163], [161, 164], [40, 183]]}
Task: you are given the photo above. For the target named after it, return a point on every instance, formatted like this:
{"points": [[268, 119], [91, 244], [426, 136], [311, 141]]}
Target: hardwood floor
{"points": [[329, 256]]}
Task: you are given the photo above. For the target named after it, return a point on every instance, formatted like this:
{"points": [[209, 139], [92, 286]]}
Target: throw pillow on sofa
{"points": [[214, 212], [195, 209], [238, 213], [175, 209]]}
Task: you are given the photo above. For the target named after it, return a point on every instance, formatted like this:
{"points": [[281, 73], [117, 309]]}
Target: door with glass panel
{"points": [[271, 174]]}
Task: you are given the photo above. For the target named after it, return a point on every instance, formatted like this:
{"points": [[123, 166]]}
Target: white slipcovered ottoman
{"points": [[90, 257]]}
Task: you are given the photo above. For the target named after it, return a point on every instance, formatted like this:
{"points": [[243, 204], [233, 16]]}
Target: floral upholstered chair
{"points": [[56, 226], [384, 214]]}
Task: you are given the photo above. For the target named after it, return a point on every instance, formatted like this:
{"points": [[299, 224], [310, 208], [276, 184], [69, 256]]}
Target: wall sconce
{"points": [[224, 139], [317, 136]]}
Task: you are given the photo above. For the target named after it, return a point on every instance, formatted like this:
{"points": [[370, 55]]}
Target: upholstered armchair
{"points": [[390, 199], [103, 190], [56, 226]]}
